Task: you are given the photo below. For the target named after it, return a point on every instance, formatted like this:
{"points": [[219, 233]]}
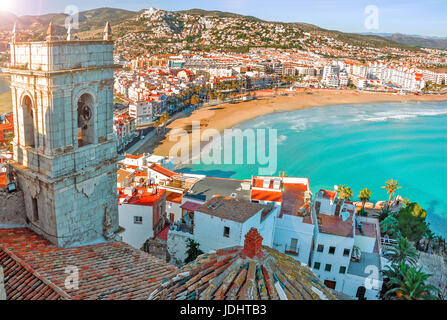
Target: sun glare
{"points": [[5, 5]]}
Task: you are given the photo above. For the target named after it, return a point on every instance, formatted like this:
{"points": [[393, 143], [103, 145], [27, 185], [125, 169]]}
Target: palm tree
{"points": [[409, 284], [403, 251], [391, 186], [156, 125], [221, 96], [345, 192], [364, 196], [195, 100], [165, 117]]}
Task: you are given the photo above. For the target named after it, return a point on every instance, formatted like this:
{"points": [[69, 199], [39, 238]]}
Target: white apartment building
{"points": [[144, 112], [359, 70], [359, 82], [331, 76], [405, 77], [434, 77], [346, 250], [294, 226]]}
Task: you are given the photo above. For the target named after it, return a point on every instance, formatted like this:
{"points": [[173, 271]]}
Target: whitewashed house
{"points": [[222, 222], [141, 212], [346, 250]]}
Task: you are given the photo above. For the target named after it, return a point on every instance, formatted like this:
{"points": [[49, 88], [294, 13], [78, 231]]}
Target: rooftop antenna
{"points": [[108, 32]]}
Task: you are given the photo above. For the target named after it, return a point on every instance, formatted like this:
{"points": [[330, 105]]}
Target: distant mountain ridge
{"points": [[91, 22], [414, 40]]}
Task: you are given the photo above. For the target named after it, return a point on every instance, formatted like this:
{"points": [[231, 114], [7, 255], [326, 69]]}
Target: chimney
{"points": [[253, 243], [108, 32]]}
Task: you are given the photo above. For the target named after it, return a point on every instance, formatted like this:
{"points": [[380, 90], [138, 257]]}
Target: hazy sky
{"points": [[424, 17]]}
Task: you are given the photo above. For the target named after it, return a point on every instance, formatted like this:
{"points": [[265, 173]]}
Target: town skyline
{"points": [[342, 15]]}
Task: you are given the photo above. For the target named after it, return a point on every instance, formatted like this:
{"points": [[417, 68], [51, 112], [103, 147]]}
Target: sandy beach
{"points": [[227, 115], [5, 102]]}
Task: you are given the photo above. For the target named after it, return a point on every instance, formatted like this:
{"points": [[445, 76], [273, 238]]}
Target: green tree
{"points": [[391, 186], [412, 222], [402, 251], [164, 120], [345, 192], [390, 226], [193, 250], [409, 284], [157, 125], [195, 100], [364, 196]]}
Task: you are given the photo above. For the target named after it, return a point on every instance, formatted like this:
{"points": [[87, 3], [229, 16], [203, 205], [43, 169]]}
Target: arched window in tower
{"points": [[28, 121], [86, 133]]}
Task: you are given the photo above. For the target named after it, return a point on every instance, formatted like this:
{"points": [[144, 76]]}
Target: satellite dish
{"points": [[335, 187], [345, 215]]}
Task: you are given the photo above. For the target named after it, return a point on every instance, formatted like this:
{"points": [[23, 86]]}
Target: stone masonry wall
{"points": [[177, 246], [12, 208]]}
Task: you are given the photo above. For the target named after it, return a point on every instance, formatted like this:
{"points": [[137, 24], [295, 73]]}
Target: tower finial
{"points": [[108, 32], [50, 32], [69, 33], [14, 33], [252, 243]]}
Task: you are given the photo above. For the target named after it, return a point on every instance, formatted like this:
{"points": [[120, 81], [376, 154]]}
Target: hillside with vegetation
{"points": [[198, 29]]}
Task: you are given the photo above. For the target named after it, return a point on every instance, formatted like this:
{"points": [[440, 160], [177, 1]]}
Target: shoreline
{"points": [[227, 115]]}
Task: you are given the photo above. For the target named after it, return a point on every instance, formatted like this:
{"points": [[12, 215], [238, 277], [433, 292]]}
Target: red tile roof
{"points": [[111, 270], [328, 194], [130, 156], [233, 209], [230, 274], [191, 206], [174, 197], [293, 198], [146, 198], [162, 170], [265, 195], [19, 277], [335, 225]]}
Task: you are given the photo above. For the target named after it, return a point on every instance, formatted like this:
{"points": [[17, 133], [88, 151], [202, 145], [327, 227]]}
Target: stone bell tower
{"points": [[64, 148]]}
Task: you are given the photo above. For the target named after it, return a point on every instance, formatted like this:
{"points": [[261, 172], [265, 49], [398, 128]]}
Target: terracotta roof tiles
{"points": [[111, 270], [229, 274]]}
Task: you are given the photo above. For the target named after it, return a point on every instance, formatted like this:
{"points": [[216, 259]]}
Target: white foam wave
{"points": [[281, 139]]}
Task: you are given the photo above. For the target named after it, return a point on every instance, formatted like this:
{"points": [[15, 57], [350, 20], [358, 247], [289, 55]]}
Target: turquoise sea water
{"points": [[361, 146]]}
